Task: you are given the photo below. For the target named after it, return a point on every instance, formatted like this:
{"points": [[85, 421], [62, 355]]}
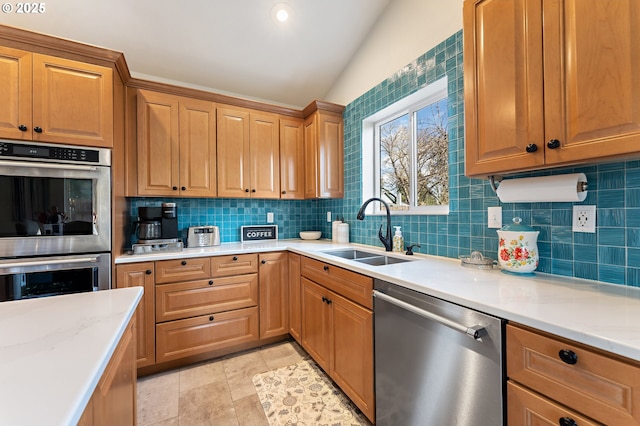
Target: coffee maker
{"points": [[157, 229]]}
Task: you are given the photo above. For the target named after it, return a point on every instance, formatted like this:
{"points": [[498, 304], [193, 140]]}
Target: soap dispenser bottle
{"points": [[398, 241]]}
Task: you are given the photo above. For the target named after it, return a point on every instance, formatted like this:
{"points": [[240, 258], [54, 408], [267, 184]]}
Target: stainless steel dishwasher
{"points": [[436, 363]]}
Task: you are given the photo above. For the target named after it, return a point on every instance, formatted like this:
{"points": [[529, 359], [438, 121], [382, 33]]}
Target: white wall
{"points": [[406, 30]]}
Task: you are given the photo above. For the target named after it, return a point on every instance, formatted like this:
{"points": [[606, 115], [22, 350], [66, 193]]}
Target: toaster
{"points": [[203, 236]]}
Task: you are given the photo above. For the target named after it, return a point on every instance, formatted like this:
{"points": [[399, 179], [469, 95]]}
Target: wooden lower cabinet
{"points": [[295, 302], [193, 336], [599, 386], [274, 294], [142, 275], [338, 334], [114, 400]]}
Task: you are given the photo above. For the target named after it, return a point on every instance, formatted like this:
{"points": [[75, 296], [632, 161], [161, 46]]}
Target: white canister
{"points": [[334, 230], [518, 248], [343, 233]]}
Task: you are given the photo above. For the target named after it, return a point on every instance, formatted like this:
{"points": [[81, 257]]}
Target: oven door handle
{"points": [[54, 166], [90, 259], [475, 332]]}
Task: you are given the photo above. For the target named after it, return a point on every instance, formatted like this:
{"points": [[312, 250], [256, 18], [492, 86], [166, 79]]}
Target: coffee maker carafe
{"points": [[157, 225]]}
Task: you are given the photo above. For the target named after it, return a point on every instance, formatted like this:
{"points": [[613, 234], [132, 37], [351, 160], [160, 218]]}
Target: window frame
{"points": [[428, 95]]}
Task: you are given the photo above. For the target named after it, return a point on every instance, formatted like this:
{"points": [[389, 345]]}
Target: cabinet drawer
{"points": [[349, 284], [527, 408], [193, 298], [193, 336], [234, 265], [170, 271], [598, 385]]}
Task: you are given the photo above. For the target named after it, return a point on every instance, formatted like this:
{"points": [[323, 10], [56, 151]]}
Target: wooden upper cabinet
{"points": [[50, 99], [248, 153], [176, 146], [291, 158], [15, 87], [324, 155], [549, 83]]}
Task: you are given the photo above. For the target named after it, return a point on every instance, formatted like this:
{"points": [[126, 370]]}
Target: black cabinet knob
{"points": [[183, 188], [235, 258], [37, 129], [567, 421], [532, 147], [326, 268], [568, 356], [22, 127], [284, 192], [253, 190], [553, 144], [324, 299], [183, 263], [175, 188], [246, 190], [211, 318], [211, 282], [329, 301], [148, 272], [263, 262]]}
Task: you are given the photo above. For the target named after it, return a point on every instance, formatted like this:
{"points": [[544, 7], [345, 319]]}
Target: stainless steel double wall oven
{"points": [[55, 219]]}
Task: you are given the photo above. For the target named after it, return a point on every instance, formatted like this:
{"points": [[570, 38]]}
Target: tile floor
{"points": [[218, 392]]}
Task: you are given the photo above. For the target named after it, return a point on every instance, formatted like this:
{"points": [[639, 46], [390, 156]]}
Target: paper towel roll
{"points": [[559, 188]]}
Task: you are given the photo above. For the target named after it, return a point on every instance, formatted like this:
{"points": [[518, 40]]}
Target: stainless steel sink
{"points": [[365, 257], [351, 254], [381, 260]]}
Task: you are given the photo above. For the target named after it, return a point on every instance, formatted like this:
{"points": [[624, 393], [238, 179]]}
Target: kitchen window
{"points": [[405, 153]]}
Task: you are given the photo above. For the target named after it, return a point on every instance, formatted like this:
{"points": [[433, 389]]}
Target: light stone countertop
{"points": [[54, 350], [605, 316]]}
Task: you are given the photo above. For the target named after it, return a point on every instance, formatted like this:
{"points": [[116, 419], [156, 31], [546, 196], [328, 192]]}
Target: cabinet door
{"points": [[274, 294], [311, 170], [316, 323], [72, 102], [330, 156], [158, 148], [15, 87], [233, 153], [264, 148], [352, 356], [503, 89], [197, 120], [114, 399], [295, 302], [291, 159], [591, 68], [141, 275]]}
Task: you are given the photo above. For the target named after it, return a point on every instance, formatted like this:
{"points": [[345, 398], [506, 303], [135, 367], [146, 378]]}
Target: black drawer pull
{"points": [[183, 188], [211, 282], [553, 144], [37, 129], [211, 318], [568, 356], [148, 272], [22, 128], [263, 261], [567, 421], [183, 263], [326, 268], [235, 258], [532, 147], [175, 188]]}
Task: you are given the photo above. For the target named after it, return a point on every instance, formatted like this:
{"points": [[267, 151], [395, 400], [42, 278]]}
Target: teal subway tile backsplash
{"points": [[611, 255]]}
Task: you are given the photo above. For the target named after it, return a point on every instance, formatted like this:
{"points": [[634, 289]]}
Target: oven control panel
{"points": [[49, 152]]}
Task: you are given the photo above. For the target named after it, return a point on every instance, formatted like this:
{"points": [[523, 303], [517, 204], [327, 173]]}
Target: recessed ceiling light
{"points": [[281, 12]]}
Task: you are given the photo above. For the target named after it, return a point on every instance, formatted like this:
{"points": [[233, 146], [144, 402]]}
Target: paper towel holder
{"points": [[582, 186]]}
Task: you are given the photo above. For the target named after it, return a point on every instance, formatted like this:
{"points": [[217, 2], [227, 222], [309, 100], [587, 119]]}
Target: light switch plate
{"points": [[270, 217], [494, 217], [329, 217]]}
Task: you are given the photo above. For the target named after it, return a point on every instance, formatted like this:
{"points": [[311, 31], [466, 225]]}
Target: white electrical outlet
{"points": [[494, 217], [584, 219], [270, 217], [329, 217]]}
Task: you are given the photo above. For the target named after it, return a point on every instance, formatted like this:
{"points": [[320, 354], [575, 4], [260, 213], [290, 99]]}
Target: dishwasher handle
{"points": [[475, 332]]}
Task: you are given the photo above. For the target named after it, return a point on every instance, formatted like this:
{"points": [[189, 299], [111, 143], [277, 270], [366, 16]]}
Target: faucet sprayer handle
{"points": [[410, 249]]}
